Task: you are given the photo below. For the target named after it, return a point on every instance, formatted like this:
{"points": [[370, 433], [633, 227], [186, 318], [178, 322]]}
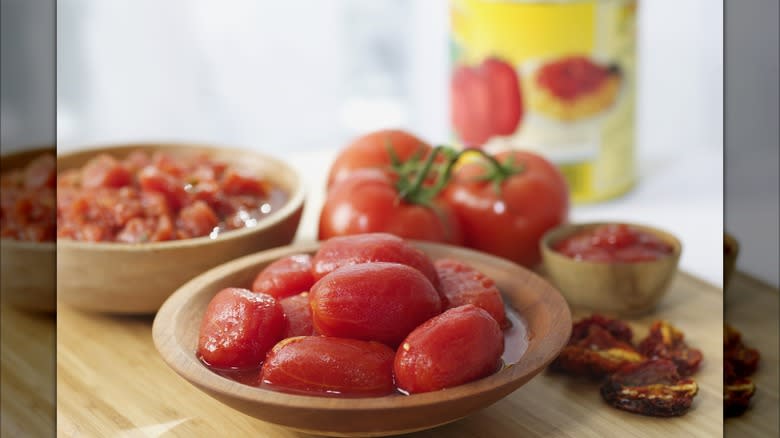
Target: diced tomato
{"points": [[237, 183], [152, 179], [104, 171], [197, 219], [41, 172]]}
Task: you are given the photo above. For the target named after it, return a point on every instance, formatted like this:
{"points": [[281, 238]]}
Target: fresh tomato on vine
{"points": [[507, 202], [379, 149], [371, 200]]}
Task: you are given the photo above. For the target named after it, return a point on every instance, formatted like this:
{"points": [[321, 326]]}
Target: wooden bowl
{"points": [[27, 269], [730, 253], [542, 309], [626, 289], [137, 278]]}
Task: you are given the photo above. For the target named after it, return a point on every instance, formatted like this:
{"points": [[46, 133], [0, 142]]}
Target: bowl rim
{"points": [[295, 200], [567, 229], [195, 373]]}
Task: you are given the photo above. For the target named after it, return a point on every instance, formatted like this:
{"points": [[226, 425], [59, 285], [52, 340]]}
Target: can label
{"points": [[554, 77]]}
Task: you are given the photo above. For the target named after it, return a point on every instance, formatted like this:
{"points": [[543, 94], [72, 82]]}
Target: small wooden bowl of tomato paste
{"points": [[611, 267], [355, 313], [28, 229], [136, 221]]}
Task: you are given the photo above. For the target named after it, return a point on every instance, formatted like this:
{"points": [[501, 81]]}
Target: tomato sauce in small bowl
{"points": [[611, 267]]}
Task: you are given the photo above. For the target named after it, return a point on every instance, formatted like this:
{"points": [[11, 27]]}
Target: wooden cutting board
{"points": [[27, 357], [112, 381]]}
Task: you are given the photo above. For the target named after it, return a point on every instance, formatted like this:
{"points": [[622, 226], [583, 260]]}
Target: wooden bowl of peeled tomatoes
{"points": [[362, 335]]}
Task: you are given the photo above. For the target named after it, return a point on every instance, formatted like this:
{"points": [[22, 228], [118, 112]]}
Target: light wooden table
{"points": [[27, 378], [111, 382]]}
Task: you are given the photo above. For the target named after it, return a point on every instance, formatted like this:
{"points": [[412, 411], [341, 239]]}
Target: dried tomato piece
{"points": [[597, 354], [667, 342], [653, 388], [619, 329], [739, 362]]}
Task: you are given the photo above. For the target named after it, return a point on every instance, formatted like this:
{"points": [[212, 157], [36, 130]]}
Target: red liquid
{"points": [[613, 243]]}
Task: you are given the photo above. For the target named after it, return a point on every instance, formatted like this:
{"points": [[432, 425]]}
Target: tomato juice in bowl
{"points": [[611, 267], [136, 232]]}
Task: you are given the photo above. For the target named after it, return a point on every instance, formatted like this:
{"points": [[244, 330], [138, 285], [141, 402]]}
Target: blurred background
{"points": [[300, 77]]}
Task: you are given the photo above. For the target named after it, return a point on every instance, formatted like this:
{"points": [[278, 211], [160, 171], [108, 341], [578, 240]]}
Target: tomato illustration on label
{"points": [[486, 101]]}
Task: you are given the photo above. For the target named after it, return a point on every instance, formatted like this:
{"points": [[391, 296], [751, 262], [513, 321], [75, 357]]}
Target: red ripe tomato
{"points": [[238, 329], [373, 302], [322, 365], [370, 151], [374, 247], [509, 220], [298, 314], [486, 101], [462, 284], [456, 347], [368, 202], [285, 277]]}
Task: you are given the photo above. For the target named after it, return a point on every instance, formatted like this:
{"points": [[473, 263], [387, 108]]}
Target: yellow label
{"points": [[589, 133]]}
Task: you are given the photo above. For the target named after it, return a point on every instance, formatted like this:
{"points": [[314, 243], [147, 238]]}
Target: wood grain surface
{"points": [[111, 382], [27, 379], [752, 307]]}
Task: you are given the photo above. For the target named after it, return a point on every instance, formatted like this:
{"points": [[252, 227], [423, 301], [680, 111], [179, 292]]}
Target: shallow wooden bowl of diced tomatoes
{"points": [[136, 221], [27, 228], [611, 267], [365, 335]]}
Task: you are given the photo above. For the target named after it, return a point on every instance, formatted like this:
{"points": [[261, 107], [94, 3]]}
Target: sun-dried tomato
{"points": [[653, 387], [739, 362], [618, 329], [597, 354], [664, 341]]}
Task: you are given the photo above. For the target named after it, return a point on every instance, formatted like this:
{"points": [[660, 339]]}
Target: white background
{"points": [[300, 78]]}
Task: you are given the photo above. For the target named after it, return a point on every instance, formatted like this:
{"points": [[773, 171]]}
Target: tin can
{"points": [[553, 77]]}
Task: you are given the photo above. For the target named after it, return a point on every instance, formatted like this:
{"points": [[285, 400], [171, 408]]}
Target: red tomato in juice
{"points": [[373, 301], [368, 202], [509, 222], [460, 345], [370, 151], [238, 329], [373, 247], [462, 284], [322, 365], [298, 314], [285, 277]]}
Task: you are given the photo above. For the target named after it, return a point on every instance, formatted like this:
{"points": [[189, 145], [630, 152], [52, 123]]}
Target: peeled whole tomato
{"points": [[238, 328], [370, 151], [486, 101], [327, 365], [298, 315], [373, 301], [342, 251], [460, 345], [462, 284], [285, 277]]}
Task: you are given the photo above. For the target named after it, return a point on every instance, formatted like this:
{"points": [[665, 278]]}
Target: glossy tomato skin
{"points": [[372, 247], [326, 365], [238, 329], [462, 285], [368, 202], [373, 302], [460, 345], [511, 224], [298, 315], [285, 277], [370, 151]]}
